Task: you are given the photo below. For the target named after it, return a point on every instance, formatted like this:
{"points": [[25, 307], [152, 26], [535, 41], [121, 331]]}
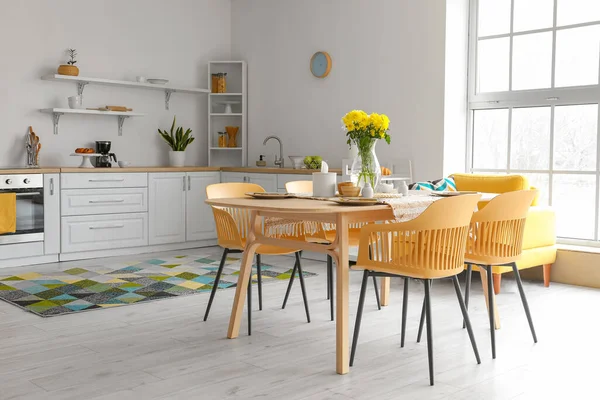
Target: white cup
{"points": [[140, 79], [75, 102]]}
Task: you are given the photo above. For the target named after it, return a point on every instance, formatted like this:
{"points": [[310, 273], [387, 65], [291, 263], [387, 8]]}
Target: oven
{"points": [[29, 189]]}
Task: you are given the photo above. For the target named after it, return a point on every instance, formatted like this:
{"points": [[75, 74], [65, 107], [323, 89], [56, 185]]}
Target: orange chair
{"points": [[322, 235], [431, 246], [495, 240], [233, 225]]}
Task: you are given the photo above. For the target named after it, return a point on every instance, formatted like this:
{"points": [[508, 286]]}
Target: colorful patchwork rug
{"points": [[124, 283]]}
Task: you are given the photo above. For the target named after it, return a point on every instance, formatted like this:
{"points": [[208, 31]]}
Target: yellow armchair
{"points": [[539, 239]]}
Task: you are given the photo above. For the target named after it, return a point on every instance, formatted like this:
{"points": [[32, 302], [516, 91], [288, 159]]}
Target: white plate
{"points": [[269, 195], [157, 81]]}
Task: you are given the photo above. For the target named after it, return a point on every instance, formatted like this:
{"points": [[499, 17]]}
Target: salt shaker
{"points": [[367, 191], [403, 189]]}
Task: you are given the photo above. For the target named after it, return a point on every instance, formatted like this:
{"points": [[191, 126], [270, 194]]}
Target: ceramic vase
{"points": [[176, 158]]}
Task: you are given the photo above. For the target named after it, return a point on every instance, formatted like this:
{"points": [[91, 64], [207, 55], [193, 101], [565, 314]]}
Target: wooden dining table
{"points": [[294, 210]]}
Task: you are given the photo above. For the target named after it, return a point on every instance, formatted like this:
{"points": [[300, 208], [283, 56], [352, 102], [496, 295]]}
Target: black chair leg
{"points": [[250, 305], [290, 283], [404, 310], [376, 292], [468, 287], [463, 309], [429, 329], [216, 283], [330, 284], [490, 286], [359, 312], [421, 322], [301, 276], [259, 280], [524, 301]]}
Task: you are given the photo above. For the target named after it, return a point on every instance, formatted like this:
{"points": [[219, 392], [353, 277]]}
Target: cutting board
{"points": [[118, 108]]}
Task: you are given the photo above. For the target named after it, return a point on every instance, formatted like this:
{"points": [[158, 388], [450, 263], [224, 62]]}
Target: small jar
{"points": [[367, 191], [222, 84], [215, 83], [222, 139]]}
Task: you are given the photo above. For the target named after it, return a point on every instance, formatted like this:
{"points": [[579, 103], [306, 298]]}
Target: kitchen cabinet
{"points": [[166, 207], [200, 224], [267, 181], [51, 213]]}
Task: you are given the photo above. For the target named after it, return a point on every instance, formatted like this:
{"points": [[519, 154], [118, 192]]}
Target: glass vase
{"points": [[365, 167]]}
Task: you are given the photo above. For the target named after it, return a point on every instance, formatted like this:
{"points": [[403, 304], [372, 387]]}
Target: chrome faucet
{"points": [[278, 160]]}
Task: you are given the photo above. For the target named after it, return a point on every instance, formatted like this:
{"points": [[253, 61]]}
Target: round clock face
{"points": [[320, 64]]}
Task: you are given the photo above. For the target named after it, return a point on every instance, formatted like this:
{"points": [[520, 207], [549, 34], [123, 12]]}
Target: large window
{"points": [[534, 97]]}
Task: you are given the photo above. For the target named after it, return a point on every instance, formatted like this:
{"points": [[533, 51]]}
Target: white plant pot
{"points": [[176, 158]]}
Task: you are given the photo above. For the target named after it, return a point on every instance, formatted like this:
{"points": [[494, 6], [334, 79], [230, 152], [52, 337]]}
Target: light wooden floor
{"points": [[164, 350]]}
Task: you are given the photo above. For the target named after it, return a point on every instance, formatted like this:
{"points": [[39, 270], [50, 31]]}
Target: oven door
{"points": [[30, 216]]}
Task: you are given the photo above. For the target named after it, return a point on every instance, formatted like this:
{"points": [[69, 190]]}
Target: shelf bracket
{"points": [[120, 122], [80, 87], [55, 118], [168, 97]]}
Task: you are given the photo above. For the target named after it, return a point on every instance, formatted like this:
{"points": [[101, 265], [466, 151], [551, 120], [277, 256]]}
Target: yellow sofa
{"points": [[539, 241]]}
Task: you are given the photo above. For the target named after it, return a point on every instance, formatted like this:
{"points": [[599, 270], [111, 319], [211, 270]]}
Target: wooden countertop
{"points": [[271, 170], [259, 170]]}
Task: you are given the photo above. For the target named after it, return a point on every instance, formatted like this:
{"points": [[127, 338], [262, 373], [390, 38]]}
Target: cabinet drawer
{"points": [[103, 180], [100, 232], [103, 201]]}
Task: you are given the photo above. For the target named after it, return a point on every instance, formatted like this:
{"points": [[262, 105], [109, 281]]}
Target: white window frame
{"points": [[564, 96]]}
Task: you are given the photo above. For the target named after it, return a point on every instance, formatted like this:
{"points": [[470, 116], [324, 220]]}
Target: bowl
{"points": [[349, 191], [347, 183], [75, 102], [297, 161], [124, 164]]}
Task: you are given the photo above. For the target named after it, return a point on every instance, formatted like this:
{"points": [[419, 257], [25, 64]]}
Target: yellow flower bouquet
{"points": [[364, 131]]}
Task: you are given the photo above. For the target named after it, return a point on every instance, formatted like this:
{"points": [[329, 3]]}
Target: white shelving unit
{"points": [[58, 112], [83, 81], [217, 119]]}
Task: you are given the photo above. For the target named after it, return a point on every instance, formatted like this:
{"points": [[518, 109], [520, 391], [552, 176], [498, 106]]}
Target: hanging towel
{"points": [[8, 212]]}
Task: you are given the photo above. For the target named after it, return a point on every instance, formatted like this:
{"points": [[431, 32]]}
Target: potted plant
{"points": [[69, 68], [178, 141], [364, 131]]}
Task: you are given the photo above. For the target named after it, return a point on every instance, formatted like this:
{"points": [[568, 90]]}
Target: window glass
{"points": [[533, 14], [494, 17], [490, 134], [571, 12], [530, 138], [575, 135], [577, 55], [493, 56], [532, 61]]}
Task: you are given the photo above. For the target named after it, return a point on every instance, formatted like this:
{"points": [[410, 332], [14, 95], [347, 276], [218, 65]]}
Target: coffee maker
{"points": [[103, 161]]}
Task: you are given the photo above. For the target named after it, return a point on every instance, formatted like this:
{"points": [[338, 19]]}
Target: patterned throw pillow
{"points": [[440, 185]]}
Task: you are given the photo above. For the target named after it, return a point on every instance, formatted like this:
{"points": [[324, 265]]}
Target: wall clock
{"points": [[320, 64]]}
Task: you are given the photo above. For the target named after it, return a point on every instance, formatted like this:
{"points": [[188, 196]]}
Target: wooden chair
{"points": [[431, 246], [322, 235], [496, 239], [233, 225]]}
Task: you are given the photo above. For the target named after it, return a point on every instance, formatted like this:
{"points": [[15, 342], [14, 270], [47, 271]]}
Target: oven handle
{"points": [[28, 193], [106, 201], [107, 227]]}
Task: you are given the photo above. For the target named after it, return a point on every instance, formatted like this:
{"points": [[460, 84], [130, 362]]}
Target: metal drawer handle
{"points": [[106, 201], [28, 194], [107, 227], [106, 180]]}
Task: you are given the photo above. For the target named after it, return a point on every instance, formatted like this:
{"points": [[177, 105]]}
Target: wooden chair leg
{"points": [[497, 282], [547, 269]]}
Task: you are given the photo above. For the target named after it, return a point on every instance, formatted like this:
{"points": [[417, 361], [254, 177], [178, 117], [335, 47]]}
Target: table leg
{"points": [[237, 310], [486, 294], [342, 293], [385, 291]]}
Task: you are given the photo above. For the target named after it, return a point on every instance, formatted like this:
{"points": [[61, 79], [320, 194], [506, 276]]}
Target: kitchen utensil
{"points": [[140, 79], [75, 102], [98, 109], [269, 195], [157, 81], [124, 164], [297, 161], [118, 108]]}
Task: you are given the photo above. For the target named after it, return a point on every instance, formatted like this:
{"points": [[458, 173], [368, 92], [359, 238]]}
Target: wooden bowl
{"points": [[350, 191], [347, 183]]}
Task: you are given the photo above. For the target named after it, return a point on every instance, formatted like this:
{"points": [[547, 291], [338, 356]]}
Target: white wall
{"points": [[115, 39], [388, 57]]}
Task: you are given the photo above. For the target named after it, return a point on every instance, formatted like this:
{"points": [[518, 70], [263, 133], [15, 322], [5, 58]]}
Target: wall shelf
{"points": [[226, 94], [226, 115], [226, 148], [83, 81], [58, 112]]}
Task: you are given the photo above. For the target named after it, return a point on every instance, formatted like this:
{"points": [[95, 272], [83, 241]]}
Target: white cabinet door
{"points": [[267, 181], [233, 177], [166, 207], [200, 224], [51, 213]]}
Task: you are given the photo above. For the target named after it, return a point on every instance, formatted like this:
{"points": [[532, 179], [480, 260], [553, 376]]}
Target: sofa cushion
{"points": [[444, 184], [486, 183]]}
